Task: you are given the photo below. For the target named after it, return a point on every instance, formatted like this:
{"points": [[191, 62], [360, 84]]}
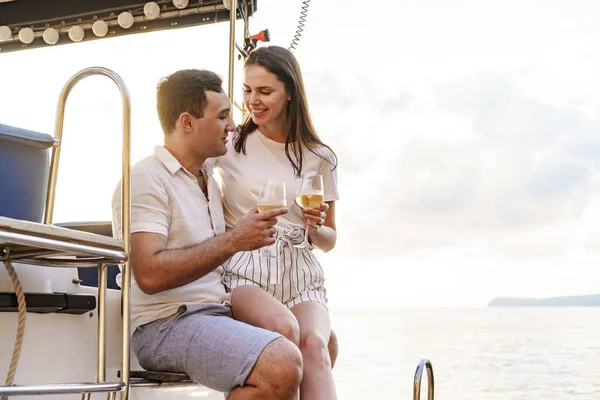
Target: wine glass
{"points": [[272, 196], [309, 195]]}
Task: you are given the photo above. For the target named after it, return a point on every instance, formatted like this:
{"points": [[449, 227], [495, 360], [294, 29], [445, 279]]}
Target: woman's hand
{"points": [[315, 219], [321, 226]]}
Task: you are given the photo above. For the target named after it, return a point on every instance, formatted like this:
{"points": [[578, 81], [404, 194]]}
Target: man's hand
{"points": [[256, 229], [157, 268]]}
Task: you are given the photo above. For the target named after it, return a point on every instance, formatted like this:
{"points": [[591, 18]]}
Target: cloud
{"points": [[486, 99], [351, 92], [557, 179], [476, 156]]}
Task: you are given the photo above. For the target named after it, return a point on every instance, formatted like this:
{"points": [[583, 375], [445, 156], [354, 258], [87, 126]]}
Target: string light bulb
{"points": [[5, 33], [151, 10], [76, 33], [181, 4], [100, 28], [26, 35], [50, 36], [125, 20]]}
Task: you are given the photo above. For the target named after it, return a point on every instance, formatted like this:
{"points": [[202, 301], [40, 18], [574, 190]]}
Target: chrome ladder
{"points": [[424, 364], [47, 245]]}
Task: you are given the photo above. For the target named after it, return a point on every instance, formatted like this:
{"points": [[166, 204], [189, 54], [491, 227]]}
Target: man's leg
{"points": [[276, 374], [221, 353]]}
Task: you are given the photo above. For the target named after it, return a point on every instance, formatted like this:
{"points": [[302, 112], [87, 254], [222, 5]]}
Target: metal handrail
{"points": [[235, 4], [61, 260], [126, 215], [65, 388], [232, 15], [424, 364], [59, 245]]}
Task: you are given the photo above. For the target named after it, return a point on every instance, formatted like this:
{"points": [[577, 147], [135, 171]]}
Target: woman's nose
{"points": [[230, 124], [252, 99]]}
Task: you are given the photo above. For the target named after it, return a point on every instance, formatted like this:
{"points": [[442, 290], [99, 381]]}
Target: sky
{"points": [[467, 134]]}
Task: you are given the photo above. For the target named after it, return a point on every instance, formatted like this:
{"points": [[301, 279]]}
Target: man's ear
{"points": [[185, 121]]}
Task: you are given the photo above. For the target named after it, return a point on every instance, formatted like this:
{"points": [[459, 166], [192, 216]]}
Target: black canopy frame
{"points": [[61, 15]]}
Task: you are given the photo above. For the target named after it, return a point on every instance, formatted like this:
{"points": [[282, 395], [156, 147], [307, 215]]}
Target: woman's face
{"points": [[265, 97]]}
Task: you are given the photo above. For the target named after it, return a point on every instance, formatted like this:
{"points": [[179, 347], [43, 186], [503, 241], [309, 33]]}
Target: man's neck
{"points": [[188, 161]]}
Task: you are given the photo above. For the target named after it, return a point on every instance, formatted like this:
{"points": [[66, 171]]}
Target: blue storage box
{"points": [[24, 165]]}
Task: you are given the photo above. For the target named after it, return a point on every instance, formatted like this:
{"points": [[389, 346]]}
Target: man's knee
{"points": [[279, 369]]}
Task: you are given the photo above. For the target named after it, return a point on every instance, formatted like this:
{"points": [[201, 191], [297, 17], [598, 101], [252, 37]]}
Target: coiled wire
{"points": [[300, 28]]}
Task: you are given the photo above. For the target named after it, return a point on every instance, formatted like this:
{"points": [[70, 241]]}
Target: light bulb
{"points": [[100, 28], [125, 20], [76, 33], [50, 36], [151, 10], [181, 4], [5, 33], [26, 35]]}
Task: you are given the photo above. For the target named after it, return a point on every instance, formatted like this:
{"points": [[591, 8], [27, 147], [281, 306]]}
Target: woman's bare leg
{"points": [[315, 329], [254, 306], [333, 348]]}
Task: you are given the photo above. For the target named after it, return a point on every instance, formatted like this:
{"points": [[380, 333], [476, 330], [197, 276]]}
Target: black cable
{"points": [[300, 28], [239, 5]]}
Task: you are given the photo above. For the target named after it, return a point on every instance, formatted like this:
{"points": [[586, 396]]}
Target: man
{"points": [[180, 314]]}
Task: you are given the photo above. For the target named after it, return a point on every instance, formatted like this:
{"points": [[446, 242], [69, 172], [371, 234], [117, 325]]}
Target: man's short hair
{"points": [[184, 91]]}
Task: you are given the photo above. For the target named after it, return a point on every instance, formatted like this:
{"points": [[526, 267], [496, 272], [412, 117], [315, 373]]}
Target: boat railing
{"points": [[48, 245], [126, 217], [424, 365]]}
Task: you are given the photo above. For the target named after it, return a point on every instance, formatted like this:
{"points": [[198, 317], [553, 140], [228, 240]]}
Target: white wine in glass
{"points": [[309, 195], [272, 195], [268, 207], [310, 200]]}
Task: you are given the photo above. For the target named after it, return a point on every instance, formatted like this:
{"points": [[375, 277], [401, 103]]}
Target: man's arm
{"points": [[157, 269]]}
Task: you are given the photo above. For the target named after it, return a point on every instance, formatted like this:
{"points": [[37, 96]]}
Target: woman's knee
{"points": [[287, 325], [333, 348], [314, 349]]}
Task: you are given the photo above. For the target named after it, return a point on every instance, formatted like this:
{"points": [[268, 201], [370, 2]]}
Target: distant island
{"points": [[565, 301]]}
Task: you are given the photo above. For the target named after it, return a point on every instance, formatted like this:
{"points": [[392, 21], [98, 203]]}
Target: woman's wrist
{"points": [[323, 238]]}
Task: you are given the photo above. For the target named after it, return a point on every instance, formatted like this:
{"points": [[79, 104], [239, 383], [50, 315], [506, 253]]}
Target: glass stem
{"points": [[306, 235]]}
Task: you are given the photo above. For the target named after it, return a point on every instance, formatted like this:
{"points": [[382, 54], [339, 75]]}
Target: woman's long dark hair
{"points": [[282, 63]]}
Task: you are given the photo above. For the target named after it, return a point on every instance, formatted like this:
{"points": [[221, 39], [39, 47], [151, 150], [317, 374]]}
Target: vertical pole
{"points": [[232, 15], [102, 283]]}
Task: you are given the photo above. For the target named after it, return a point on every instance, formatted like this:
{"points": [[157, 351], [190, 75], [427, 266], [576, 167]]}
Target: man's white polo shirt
{"points": [[166, 199]]}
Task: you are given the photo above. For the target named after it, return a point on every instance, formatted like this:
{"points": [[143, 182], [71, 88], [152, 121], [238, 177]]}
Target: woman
{"points": [[278, 142]]}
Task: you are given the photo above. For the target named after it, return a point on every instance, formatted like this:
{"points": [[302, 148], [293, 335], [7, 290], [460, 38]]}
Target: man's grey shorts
{"points": [[203, 341]]}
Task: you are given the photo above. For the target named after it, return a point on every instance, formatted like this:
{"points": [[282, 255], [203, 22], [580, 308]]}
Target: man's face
{"points": [[210, 132]]}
